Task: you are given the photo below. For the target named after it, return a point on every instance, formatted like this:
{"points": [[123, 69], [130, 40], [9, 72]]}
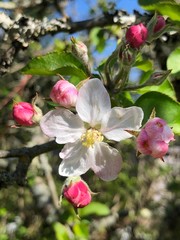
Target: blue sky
{"points": [[78, 9]]}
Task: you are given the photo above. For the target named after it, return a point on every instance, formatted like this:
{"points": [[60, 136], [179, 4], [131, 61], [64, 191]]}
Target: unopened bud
{"points": [[160, 24], [64, 93], [127, 55], [156, 27], [77, 192], [80, 50], [157, 78], [154, 138], [136, 35], [26, 114]]}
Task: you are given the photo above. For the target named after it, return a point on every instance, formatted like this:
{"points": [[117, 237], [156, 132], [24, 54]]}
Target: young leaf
{"points": [[165, 87], [173, 61], [94, 208], [165, 7], [64, 63]]}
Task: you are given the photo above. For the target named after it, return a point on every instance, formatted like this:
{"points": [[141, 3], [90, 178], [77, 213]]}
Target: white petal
{"points": [[116, 121], [76, 159], [63, 125], [93, 102], [107, 164]]}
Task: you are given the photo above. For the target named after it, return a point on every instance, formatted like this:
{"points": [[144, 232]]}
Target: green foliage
{"points": [[143, 64], [166, 87], [173, 61], [165, 107], [97, 36], [63, 63], [81, 229], [165, 7], [61, 232], [94, 208]]}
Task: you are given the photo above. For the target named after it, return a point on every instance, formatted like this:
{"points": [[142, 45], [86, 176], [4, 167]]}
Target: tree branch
{"points": [[25, 156], [21, 31]]}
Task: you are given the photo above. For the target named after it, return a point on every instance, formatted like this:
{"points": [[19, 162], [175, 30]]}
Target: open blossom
{"points": [[84, 133], [154, 138], [64, 93], [26, 114], [136, 35], [77, 192]]}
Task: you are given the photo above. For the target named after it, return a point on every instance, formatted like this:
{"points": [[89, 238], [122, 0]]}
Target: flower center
{"points": [[90, 137]]}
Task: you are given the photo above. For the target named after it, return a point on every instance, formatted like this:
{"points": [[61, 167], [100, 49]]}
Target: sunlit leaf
{"points": [[169, 8], [81, 229], [173, 61], [64, 63], [94, 208], [61, 231], [166, 87]]}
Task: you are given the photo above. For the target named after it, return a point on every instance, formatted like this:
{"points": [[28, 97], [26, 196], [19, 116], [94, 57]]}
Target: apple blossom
{"points": [[84, 134], [136, 35], [77, 192], [26, 114], [154, 138], [64, 93]]}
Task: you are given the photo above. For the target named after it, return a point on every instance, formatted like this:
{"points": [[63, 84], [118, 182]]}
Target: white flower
{"points": [[83, 133]]}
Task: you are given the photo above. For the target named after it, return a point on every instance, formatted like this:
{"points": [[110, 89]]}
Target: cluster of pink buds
{"points": [[77, 192], [26, 114], [64, 93], [154, 138]]}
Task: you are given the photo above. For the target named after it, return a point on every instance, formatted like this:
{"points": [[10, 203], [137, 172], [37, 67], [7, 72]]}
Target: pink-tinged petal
{"points": [[158, 129], [118, 120], [63, 125], [159, 149], [168, 134], [76, 158], [154, 127], [107, 162], [143, 144], [93, 102]]}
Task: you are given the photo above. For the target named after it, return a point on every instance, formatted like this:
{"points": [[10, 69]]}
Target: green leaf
{"points": [[97, 36], [64, 63], [144, 65], [81, 229], [94, 208], [165, 87], [165, 107], [61, 231], [164, 7], [173, 61]]}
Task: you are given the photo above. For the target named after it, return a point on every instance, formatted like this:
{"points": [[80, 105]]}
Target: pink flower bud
{"points": [[154, 138], [64, 93], [136, 35], [77, 192], [26, 114], [160, 24]]}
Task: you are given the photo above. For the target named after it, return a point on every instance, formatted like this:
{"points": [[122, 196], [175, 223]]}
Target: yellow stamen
{"points": [[90, 137]]}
